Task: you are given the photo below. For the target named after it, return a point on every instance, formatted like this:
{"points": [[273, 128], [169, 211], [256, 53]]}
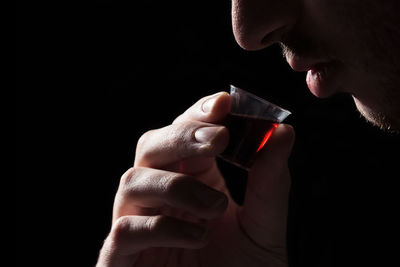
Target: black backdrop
{"points": [[92, 77]]}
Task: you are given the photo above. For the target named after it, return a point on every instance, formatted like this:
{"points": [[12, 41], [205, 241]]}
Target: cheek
{"points": [[343, 26], [328, 24]]}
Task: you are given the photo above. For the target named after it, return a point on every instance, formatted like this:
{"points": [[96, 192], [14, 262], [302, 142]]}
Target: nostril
{"points": [[261, 23], [274, 37]]}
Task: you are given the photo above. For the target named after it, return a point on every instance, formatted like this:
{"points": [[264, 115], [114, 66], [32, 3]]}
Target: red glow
{"points": [[267, 136]]}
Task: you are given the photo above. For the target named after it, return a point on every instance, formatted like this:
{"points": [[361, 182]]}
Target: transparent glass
{"points": [[251, 122]]}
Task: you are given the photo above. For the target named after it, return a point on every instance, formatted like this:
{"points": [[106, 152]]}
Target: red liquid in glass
{"points": [[248, 135]]}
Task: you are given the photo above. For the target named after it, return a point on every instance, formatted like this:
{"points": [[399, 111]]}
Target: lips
{"points": [[320, 74], [319, 79]]}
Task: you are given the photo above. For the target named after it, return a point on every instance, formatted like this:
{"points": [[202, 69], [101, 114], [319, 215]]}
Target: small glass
{"points": [[250, 122]]}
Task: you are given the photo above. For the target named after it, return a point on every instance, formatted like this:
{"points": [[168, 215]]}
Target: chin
{"points": [[383, 120]]}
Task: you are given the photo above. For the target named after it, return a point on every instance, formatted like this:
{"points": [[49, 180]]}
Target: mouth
{"points": [[321, 74]]}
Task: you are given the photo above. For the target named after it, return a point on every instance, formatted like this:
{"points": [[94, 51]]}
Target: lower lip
{"points": [[319, 79]]}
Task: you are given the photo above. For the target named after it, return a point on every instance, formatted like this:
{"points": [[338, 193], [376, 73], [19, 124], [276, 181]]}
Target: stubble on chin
{"points": [[385, 121]]}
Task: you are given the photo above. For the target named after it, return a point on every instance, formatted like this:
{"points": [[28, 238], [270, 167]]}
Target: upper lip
{"points": [[302, 64]]}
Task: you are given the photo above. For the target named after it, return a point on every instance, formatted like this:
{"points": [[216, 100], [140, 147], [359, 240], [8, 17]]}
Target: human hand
{"points": [[173, 207]]}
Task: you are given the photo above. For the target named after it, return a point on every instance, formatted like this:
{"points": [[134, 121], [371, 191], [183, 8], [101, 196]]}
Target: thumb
{"points": [[264, 212]]}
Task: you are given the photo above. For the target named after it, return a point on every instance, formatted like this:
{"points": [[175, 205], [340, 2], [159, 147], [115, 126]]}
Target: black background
{"points": [[91, 78]]}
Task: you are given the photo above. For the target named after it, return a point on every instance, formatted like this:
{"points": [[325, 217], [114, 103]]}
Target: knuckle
{"points": [[155, 223], [182, 139], [179, 119], [150, 144], [173, 184], [177, 140], [177, 133], [144, 140], [120, 230], [127, 176], [172, 142], [130, 177]]}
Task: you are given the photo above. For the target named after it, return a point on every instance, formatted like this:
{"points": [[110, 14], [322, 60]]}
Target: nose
{"points": [[260, 23]]}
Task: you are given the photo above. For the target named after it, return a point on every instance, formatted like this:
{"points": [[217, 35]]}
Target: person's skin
{"points": [[173, 208], [175, 180], [349, 46]]}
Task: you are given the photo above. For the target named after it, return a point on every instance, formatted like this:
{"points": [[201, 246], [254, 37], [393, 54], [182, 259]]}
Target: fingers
{"points": [[152, 188], [131, 234], [212, 109], [173, 143], [265, 208], [275, 154], [194, 135]]}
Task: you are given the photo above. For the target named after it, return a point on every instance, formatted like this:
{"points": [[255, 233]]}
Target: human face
{"points": [[350, 46]]}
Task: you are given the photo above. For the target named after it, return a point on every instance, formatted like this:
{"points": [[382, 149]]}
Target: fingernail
{"points": [[209, 103], [206, 134], [195, 231]]}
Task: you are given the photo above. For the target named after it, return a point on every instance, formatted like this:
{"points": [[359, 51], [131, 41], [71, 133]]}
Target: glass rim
{"points": [[233, 87]]}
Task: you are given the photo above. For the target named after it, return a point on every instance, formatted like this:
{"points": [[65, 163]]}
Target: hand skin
{"points": [[174, 209]]}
